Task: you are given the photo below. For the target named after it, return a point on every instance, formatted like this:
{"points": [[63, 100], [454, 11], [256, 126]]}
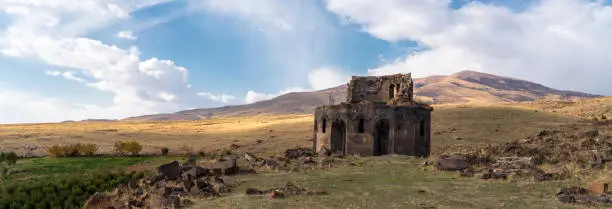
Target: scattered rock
{"points": [[453, 163], [169, 189], [457, 138], [598, 188], [580, 195], [170, 171], [299, 152]]}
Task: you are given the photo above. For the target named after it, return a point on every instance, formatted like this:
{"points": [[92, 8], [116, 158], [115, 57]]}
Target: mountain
{"points": [[462, 87]]}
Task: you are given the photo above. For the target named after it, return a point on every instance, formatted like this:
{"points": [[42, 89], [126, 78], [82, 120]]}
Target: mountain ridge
{"points": [[463, 87]]}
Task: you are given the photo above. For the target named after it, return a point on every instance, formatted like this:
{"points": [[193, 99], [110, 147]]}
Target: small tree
{"points": [[164, 150], [132, 147]]}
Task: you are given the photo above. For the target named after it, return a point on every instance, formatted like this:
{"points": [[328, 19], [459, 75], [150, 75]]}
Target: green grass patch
{"points": [[43, 167], [390, 182]]}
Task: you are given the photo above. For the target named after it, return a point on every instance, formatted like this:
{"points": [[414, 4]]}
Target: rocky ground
{"points": [[175, 184], [569, 152]]}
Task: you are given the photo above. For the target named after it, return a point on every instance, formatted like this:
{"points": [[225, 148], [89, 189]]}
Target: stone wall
{"points": [[378, 89], [404, 127]]}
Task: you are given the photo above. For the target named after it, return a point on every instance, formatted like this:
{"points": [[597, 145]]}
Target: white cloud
{"points": [[53, 73], [563, 43], [67, 75], [253, 96], [276, 13], [222, 98], [324, 78], [53, 33], [319, 79], [127, 34], [25, 107]]}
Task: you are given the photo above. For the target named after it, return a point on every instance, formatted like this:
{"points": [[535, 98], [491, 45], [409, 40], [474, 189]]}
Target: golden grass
{"points": [[198, 135], [475, 125]]}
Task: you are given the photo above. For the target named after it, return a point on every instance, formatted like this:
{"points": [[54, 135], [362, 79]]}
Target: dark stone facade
{"points": [[379, 117]]}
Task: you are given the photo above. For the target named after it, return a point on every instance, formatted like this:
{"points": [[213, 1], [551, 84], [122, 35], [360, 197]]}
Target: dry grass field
{"points": [[376, 182], [271, 134]]}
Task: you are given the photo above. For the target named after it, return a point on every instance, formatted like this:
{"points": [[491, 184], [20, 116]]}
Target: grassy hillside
{"points": [[475, 125], [466, 87], [377, 182]]}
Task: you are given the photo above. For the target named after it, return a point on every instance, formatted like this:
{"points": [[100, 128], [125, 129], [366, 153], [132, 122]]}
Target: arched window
{"points": [[323, 125], [391, 91], [361, 125], [422, 131]]}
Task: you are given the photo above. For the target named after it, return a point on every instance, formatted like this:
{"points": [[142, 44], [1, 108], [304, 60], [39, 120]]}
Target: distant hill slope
{"points": [[462, 87]]}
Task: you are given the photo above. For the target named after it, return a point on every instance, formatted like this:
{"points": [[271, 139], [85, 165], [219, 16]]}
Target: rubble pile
{"points": [[522, 158], [169, 188], [579, 195], [289, 189], [294, 159]]}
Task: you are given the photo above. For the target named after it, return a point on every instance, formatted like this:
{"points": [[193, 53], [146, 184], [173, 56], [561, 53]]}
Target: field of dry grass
{"points": [[270, 134], [381, 182], [265, 133]]}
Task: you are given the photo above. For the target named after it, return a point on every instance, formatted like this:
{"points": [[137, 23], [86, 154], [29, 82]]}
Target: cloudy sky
{"points": [[78, 59]]}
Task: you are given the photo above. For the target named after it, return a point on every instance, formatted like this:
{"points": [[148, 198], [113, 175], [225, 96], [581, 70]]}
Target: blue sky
{"points": [[64, 60]]}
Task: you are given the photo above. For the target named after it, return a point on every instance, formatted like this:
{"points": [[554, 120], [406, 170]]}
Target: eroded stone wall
{"points": [[404, 127], [381, 89]]}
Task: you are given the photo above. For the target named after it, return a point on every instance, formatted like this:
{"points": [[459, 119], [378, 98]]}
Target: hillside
{"points": [[463, 87]]}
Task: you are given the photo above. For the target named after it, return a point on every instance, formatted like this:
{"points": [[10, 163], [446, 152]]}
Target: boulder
{"points": [[170, 171], [453, 163]]}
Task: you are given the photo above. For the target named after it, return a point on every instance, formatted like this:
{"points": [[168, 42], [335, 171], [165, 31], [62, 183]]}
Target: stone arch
{"points": [[338, 136], [323, 124], [420, 145], [381, 137], [361, 125]]}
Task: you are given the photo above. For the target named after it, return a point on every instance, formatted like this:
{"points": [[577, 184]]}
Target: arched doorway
{"points": [[338, 136], [381, 137]]}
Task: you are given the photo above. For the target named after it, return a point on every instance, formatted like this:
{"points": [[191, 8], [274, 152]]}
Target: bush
{"points": [[88, 149], [132, 147], [164, 150], [119, 148], [72, 150], [55, 151]]}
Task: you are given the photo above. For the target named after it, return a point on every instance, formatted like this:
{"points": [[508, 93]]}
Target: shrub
{"points": [[55, 151], [87, 149], [70, 150], [119, 148], [164, 150], [132, 147]]}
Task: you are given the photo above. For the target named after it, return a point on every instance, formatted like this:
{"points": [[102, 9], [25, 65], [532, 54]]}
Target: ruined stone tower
{"points": [[379, 117]]}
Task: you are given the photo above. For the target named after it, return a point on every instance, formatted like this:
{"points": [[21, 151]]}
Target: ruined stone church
{"points": [[379, 117]]}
